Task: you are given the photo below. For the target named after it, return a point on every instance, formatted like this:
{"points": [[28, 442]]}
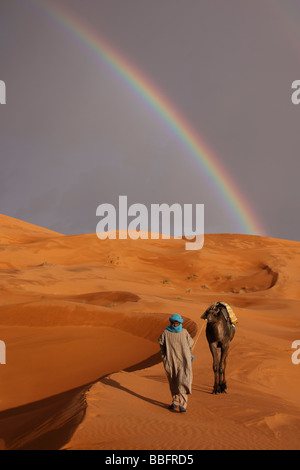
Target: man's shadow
{"points": [[115, 384]]}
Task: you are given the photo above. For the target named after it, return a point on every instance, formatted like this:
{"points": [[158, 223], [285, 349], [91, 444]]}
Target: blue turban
{"points": [[172, 328], [176, 317]]}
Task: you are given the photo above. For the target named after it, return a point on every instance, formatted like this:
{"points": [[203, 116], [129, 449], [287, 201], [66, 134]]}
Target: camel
{"points": [[219, 334]]}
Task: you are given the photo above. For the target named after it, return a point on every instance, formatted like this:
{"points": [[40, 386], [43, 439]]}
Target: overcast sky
{"points": [[73, 135]]}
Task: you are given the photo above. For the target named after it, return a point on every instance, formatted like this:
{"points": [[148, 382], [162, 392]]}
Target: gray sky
{"points": [[73, 135]]}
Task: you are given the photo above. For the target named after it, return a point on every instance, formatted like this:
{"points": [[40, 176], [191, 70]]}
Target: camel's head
{"points": [[212, 314]]}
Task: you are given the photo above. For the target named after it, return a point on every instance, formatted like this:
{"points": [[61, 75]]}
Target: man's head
{"points": [[176, 319]]}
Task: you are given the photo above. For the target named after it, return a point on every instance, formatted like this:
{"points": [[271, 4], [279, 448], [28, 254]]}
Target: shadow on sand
{"points": [[50, 423], [115, 384], [43, 425]]}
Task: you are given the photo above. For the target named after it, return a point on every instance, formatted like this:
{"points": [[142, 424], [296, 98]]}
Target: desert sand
{"points": [[80, 318]]}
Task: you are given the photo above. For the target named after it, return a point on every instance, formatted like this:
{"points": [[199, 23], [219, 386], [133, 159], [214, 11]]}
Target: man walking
{"points": [[176, 348]]}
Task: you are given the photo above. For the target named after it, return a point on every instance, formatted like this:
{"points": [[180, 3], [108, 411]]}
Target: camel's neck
{"points": [[218, 329]]}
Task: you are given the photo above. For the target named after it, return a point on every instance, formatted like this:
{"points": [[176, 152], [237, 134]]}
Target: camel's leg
{"points": [[224, 384], [222, 367], [215, 354]]}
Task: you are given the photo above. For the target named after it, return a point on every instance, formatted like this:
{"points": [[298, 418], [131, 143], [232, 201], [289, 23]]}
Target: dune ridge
{"points": [[81, 317]]}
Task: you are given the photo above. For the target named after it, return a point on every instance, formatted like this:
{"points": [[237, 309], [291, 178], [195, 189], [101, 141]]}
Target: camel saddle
{"points": [[227, 312], [231, 315]]}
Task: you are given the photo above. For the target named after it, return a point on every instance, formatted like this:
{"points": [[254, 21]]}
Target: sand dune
{"points": [[80, 318]]}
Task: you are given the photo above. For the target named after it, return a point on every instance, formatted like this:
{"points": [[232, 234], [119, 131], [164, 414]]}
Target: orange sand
{"points": [[80, 319]]}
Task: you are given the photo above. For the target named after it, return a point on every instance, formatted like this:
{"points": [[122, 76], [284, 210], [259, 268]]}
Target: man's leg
{"points": [[183, 400], [176, 399]]}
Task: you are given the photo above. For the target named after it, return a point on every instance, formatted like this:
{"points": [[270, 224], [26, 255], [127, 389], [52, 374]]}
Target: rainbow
{"points": [[227, 189]]}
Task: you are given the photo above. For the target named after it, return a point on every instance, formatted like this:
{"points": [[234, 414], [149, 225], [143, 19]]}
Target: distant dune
{"points": [[80, 318]]}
